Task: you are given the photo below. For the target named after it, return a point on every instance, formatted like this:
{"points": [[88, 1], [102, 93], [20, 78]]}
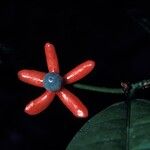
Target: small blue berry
{"points": [[52, 81]]}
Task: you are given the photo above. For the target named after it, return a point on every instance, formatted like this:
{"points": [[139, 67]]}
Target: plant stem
{"points": [[99, 89], [131, 91]]}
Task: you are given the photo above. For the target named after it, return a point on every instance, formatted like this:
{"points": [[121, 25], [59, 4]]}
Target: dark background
{"points": [[115, 35]]}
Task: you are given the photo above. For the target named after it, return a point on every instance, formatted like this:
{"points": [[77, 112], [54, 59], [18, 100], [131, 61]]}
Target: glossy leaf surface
{"points": [[119, 127]]}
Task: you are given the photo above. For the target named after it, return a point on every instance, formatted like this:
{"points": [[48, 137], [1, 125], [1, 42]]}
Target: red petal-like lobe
{"points": [[79, 72], [32, 77], [51, 58], [72, 103], [39, 104]]}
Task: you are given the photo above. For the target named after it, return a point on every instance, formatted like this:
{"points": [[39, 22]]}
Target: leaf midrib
{"points": [[128, 105]]}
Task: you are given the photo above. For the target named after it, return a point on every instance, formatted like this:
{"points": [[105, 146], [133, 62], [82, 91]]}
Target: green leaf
{"points": [[121, 126]]}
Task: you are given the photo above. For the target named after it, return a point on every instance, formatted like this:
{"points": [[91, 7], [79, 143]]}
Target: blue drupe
{"points": [[52, 81]]}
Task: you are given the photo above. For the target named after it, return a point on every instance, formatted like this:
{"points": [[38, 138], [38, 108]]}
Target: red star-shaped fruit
{"points": [[54, 84]]}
